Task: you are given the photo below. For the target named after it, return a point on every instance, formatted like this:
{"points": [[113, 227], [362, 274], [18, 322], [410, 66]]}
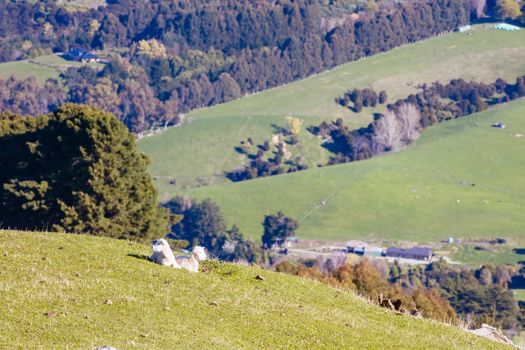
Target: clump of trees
{"points": [[438, 290], [370, 279], [77, 170], [269, 158], [277, 228], [202, 223], [479, 295], [28, 97], [362, 98], [407, 117]]}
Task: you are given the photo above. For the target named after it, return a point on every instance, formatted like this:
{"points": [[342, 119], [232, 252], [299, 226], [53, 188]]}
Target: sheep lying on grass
{"points": [[191, 263], [162, 253]]}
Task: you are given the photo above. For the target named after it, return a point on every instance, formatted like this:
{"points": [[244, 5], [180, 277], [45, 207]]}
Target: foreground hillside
{"points": [[461, 178], [68, 291], [201, 151]]}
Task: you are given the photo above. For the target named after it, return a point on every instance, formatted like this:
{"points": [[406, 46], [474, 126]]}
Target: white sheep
{"points": [[191, 263], [162, 253]]}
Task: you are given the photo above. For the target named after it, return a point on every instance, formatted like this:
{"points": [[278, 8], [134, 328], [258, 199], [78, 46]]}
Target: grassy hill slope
{"points": [[43, 68], [199, 152], [55, 289], [461, 178]]}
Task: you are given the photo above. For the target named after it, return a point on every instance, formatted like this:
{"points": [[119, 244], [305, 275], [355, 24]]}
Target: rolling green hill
{"points": [[200, 151], [462, 178], [43, 68], [80, 292]]}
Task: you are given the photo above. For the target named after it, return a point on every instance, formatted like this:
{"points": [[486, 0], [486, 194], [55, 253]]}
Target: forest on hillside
{"points": [[167, 58]]}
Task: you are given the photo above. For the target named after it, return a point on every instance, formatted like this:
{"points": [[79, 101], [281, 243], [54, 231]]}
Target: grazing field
{"points": [[81, 292], [200, 151], [81, 5], [462, 178], [519, 294], [495, 255], [43, 68]]}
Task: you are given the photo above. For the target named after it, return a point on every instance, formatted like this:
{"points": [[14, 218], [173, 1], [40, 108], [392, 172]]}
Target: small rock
{"points": [[213, 303], [144, 335], [260, 278], [386, 303], [416, 313], [51, 314], [130, 343], [167, 308], [106, 347], [397, 304], [492, 333], [168, 282], [108, 302]]}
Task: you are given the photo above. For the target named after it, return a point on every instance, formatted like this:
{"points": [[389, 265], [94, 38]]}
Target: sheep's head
{"points": [[159, 245], [200, 252]]}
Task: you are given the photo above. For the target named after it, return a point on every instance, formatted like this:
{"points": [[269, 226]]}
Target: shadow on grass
{"points": [[139, 256]]}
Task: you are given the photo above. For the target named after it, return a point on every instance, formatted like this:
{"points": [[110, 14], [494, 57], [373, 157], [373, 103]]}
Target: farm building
{"points": [[81, 55], [373, 251], [507, 27], [417, 253], [365, 250]]}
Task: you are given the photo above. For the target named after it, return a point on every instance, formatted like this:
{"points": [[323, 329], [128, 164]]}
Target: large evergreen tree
{"points": [[76, 170]]}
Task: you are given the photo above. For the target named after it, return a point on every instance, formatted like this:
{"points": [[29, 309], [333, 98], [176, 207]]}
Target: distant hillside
{"points": [[42, 68], [462, 178], [69, 291], [199, 152]]}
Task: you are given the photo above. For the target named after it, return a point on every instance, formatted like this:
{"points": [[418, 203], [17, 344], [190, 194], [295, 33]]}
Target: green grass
{"points": [[519, 294], [495, 255], [202, 150], [462, 178], [81, 5], [54, 289], [43, 68]]}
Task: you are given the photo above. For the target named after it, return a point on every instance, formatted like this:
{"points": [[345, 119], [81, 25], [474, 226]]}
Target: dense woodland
{"points": [[190, 54]]}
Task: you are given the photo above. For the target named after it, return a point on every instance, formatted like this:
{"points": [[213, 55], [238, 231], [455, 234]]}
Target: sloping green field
{"points": [[43, 68], [462, 178], [60, 291], [200, 151]]}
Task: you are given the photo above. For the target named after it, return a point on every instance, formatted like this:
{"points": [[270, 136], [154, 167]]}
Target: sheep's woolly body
{"points": [[191, 263], [162, 254]]}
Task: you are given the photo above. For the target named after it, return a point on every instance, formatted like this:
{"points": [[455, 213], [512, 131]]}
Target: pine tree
{"points": [[77, 170]]}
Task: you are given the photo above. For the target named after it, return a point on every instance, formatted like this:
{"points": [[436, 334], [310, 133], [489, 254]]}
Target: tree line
{"points": [[407, 117], [438, 290], [195, 54]]}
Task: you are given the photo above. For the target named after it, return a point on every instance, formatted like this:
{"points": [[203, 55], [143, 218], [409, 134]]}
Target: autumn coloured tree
{"points": [[388, 132], [507, 9]]}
